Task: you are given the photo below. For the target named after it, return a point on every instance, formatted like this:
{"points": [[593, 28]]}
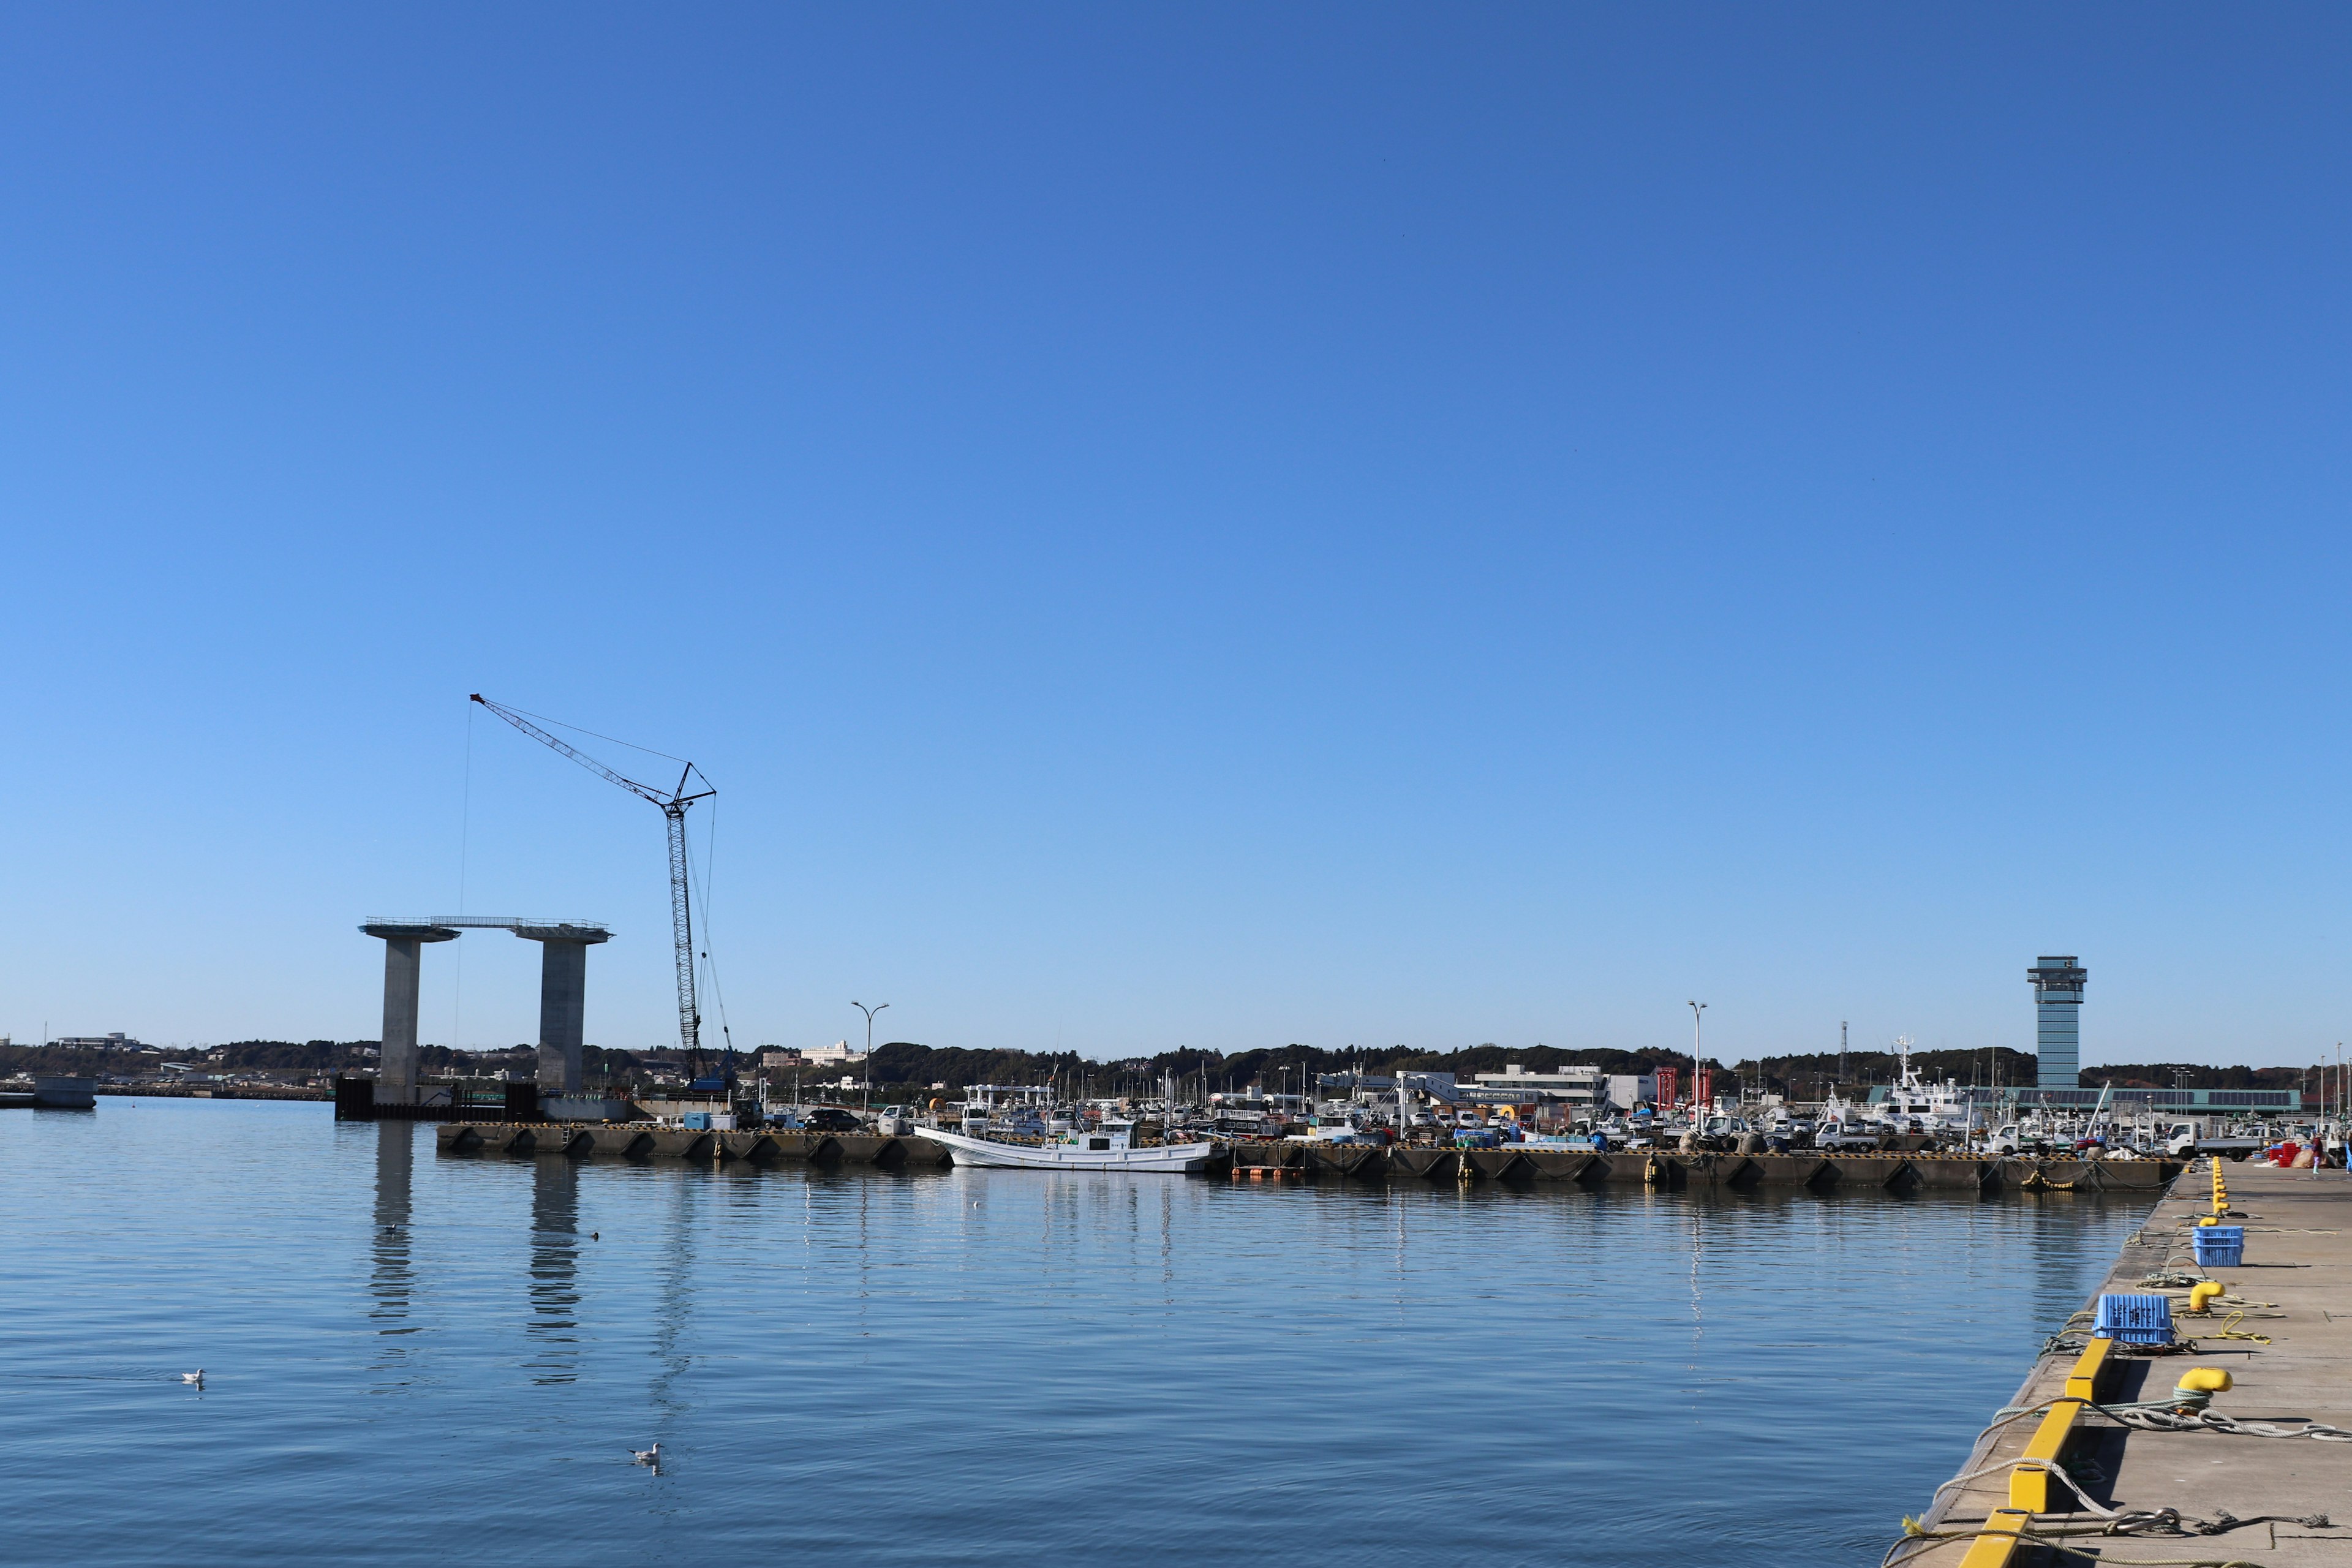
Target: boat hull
{"points": [[1174, 1159]]}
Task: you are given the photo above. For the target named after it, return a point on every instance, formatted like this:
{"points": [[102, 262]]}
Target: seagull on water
{"points": [[196, 1377], [647, 1455]]}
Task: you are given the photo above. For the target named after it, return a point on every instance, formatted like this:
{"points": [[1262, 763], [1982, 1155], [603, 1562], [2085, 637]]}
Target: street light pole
{"points": [[869, 1013], [1696, 1008]]}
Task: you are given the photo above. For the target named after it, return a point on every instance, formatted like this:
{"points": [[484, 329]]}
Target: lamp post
{"points": [[1696, 1008], [869, 1013]]}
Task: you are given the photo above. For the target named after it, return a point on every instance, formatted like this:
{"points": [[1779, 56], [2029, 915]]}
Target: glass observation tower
{"points": [[2058, 1020]]}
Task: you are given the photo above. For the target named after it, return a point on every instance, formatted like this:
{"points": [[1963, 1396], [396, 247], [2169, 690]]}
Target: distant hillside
{"points": [[903, 1070]]}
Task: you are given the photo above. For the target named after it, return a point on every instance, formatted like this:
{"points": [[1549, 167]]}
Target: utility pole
{"points": [[869, 1013], [1696, 1008], [1841, 1050]]}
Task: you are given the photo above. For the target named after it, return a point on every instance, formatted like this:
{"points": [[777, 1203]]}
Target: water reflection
{"points": [[555, 1271], [392, 1275], [674, 1302]]}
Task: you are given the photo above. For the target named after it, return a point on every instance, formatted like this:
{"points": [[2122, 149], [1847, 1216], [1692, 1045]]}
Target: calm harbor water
{"points": [[411, 1358]]}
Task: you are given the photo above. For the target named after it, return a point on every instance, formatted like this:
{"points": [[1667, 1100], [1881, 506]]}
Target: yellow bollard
{"points": [[2201, 1294], [2198, 1386]]}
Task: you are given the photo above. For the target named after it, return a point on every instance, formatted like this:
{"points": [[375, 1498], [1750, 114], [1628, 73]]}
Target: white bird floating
{"points": [[648, 1455], [196, 1377]]}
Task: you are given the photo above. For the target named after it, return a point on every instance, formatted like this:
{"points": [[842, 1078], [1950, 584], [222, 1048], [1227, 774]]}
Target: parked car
{"points": [[831, 1119]]}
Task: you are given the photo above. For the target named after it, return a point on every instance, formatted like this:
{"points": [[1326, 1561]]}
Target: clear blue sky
{"points": [[1206, 525]]}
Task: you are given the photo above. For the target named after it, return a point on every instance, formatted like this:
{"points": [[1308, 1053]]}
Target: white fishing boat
{"points": [[1915, 1105], [1108, 1148]]}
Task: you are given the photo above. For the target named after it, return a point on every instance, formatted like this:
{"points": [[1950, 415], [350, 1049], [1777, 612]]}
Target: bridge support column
{"points": [[562, 1002], [403, 964]]}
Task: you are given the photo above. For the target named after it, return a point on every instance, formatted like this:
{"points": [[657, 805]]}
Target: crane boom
{"points": [[673, 803]]}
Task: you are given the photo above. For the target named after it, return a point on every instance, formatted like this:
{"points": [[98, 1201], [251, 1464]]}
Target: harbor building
{"points": [[1439, 1084], [2058, 1020], [1577, 1084], [1624, 1090]]}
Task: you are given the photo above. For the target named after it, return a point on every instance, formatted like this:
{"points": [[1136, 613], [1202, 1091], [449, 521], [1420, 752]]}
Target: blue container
{"points": [[2218, 1246], [698, 1119], [2134, 1319]]}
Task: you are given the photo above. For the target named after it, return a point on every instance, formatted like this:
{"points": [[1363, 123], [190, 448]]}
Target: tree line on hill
{"points": [[903, 1070]]}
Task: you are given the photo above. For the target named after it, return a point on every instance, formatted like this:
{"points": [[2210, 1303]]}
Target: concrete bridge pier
{"points": [[562, 1001], [396, 1051]]}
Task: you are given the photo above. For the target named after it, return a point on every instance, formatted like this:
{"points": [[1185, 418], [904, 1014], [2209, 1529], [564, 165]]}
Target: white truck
{"points": [[1847, 1135], [2182, 1141]]}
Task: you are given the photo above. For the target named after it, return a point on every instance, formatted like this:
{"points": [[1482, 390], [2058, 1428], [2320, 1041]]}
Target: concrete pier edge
{"points": [[2298, 1261], [1673, 1171]]}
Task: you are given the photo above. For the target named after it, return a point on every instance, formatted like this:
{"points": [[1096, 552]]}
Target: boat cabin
{"points": [[1111, 1137]]}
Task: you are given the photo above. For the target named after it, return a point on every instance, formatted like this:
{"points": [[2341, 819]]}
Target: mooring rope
{"points": [[2168, 1415], [2134, 1524]]}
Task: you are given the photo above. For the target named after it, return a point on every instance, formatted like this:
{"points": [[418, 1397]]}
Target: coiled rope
{"points": [[2053, 1539], [2136, 1523], [2182, 1414]]}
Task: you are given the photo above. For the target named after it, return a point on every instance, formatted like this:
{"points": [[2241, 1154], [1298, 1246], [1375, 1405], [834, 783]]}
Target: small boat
{"points": [[1109, 1148]]}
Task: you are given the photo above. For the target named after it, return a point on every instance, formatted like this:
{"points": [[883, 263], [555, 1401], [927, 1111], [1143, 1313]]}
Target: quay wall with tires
{"points": [[1292, 1158]]}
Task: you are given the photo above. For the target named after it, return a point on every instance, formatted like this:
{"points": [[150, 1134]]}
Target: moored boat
{"points": [[1109, 1148]]}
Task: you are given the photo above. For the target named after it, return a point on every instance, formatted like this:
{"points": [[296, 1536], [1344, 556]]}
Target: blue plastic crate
{"points": [[2218, 1246], [2134, 1319]]}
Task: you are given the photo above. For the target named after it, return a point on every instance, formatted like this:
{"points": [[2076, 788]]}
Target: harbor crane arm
{"points": [[673, 803], [644, 792]]}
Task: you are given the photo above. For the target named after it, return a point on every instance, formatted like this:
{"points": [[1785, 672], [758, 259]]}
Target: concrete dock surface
{"points": [[2298, 1263]]}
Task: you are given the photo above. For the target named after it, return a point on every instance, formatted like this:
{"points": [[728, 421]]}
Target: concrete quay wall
{"points": [[1675, 1171], [640, 1141], [1671, 1171], [2249, 1485]]}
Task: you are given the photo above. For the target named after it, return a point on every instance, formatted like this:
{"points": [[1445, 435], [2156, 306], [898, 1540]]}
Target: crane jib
{"points": [[673, 803]]}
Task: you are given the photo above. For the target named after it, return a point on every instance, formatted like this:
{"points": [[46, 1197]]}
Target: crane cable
{"points": [[465, 828], [596, 735], [710, 964]]}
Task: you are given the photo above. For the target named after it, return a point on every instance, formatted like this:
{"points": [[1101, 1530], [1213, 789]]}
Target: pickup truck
{"points": [[2005, 1140], [2182, 1141], [1845, 1135]]}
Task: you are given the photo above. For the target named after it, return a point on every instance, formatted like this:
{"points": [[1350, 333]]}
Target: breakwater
{"points": [[1292, 1160]]}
